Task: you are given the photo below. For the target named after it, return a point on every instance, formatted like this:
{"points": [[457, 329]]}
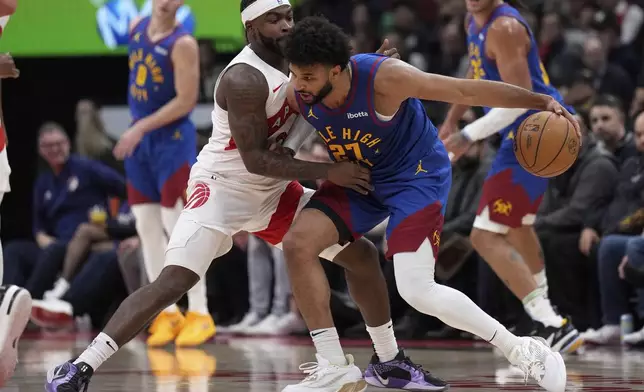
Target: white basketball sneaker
{"points": [[537, 360], [15, 308], [326, 377]]}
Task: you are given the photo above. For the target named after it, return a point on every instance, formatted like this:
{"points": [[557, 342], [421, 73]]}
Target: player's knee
{"points": [[361, 256], [84, 230], [298, 243], [174, 281]]}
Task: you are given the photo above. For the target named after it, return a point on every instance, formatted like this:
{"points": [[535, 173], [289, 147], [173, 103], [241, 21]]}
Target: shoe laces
{"points": [[81, 380], [531, 364], [416, 366], [313, 370]]}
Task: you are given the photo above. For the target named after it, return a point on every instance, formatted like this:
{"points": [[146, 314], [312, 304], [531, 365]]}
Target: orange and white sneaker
{"points": [[198, 329], [167, 326], [15, 309]]}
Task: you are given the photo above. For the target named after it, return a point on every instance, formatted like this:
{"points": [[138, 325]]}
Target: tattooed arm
{"points": [[244, 91]]}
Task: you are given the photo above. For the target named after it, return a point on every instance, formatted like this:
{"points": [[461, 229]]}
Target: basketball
{"points": [[546, 144]]}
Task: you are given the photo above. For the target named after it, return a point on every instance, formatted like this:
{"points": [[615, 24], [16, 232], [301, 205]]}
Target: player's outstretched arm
{"points": [[246, 91], [404, 81], [185, 60]]}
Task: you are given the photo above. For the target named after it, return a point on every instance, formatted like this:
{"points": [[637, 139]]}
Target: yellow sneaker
{"points": [[162, 363], [197, 330], [166, 328], [194, 362]]}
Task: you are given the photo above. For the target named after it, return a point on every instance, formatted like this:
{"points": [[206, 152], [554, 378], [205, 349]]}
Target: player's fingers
{"points": [[384, 46], [359, 189], [16, 73], [364, 184]]}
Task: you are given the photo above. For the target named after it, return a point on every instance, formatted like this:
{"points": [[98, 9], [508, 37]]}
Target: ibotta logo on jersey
{"points": [[113, 19]]}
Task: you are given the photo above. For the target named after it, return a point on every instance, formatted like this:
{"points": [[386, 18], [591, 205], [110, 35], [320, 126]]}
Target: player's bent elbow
{"points": [[7, 8]]}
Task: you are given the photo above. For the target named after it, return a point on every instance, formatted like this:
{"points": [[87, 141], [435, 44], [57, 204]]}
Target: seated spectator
{"points": [[64, 195], [96, 291], [615, 252], [608, 125], [601, 76], [96, 236], [628, 199], [588, 184]]}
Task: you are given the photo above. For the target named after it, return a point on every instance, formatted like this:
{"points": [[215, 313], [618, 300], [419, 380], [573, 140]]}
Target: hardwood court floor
{"points": [[269, 364]]}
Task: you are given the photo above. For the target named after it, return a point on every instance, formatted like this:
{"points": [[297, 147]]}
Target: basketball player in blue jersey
{"points": [[367, 110], [159, 149], [502, 48]]}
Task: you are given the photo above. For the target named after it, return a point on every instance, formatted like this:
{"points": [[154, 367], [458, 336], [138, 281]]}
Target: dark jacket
{"points": [[462, 203], [588, 184], [629, 196]]}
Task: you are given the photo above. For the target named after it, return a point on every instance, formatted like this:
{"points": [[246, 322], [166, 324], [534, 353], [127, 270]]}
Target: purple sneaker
{"points": [[69, 377], [402, 373]]}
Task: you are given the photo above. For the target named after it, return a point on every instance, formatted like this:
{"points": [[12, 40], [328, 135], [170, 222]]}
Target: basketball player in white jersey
{"points": [[240, 184], [15, 302]]}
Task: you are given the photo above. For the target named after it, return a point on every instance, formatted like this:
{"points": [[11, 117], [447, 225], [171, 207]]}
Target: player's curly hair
{"points": [[315, 40], [244, 4]]}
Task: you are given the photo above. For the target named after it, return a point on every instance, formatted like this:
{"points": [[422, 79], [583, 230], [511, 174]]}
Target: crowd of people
{"points": [[88, 250]]}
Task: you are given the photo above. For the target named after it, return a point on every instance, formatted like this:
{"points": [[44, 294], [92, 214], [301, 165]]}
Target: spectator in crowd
{"points": [[624, 222], [64, 195], [608, 125], [592, 74], [588, 185], [92, 142], [607, 26], [629, 15], [627, 201], [412, 33]]}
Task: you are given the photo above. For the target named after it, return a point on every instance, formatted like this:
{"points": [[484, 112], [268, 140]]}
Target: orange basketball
{"points": [[546, 144]]}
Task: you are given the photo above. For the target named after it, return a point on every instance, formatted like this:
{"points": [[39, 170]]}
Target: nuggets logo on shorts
{"points": [[502, 207], [199, 196], [436, 239]]}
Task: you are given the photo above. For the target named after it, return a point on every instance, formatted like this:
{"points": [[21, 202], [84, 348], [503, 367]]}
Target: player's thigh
{"points": [[141, 184], [194, 246], [417, 214], [510, 196], [172, 171], [351, 214]]}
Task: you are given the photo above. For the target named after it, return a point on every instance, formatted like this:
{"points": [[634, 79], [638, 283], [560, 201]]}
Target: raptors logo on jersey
{"points": [[220, 155]]}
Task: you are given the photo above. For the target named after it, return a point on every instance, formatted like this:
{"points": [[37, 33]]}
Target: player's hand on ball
{"points": [[127, 143], [385, 50], [556, 107], [457, 144], [8, 67], [351, 175]]}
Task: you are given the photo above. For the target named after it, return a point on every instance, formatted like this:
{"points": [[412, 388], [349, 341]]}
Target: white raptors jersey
{"points": [[220, 156]]}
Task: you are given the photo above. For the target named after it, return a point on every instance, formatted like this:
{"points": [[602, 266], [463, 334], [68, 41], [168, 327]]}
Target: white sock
{"points": [[327, 344], [384, 341], [197, 301], [98, 352], [153, 241], [541, 280], [60, 288], [538, 306], [414, 273]]}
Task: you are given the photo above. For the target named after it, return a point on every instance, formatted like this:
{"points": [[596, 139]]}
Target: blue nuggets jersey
{"points": [[484, 68], [151, 81], [354, 132]]}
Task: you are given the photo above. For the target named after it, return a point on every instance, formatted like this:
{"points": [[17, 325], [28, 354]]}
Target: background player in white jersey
{"points": [[240, 184], [15, 302]]}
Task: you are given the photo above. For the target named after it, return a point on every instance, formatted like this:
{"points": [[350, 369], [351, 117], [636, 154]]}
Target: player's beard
{"points": [[324, 92], [274, 45]]}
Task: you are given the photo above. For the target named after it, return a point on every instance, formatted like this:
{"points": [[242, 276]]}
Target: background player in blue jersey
{"points": [[502, 48], [367, 110], [159, 149]]}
